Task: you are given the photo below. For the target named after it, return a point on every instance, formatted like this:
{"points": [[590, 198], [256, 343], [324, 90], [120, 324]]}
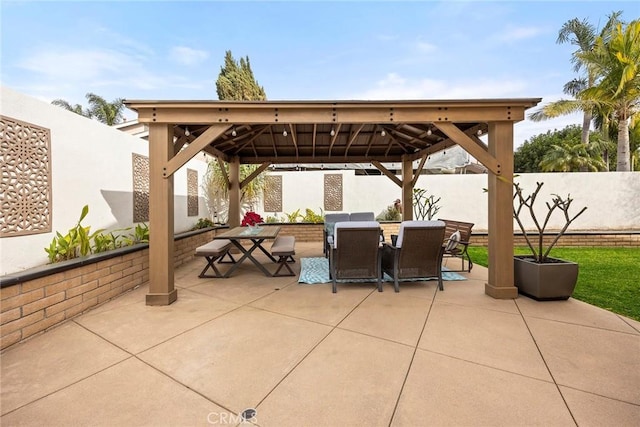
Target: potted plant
{"points": [[538, 275], [252, 220]]}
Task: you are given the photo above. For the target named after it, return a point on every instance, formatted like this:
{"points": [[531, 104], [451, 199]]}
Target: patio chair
{"points": [[416, 253], [362, 216], [355, 252], [327, 231], [457, 238]]}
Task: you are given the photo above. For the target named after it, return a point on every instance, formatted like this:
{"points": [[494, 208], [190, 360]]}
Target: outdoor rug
{"points": [[316, 270]]}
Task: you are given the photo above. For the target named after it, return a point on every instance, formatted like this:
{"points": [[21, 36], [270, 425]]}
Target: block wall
{"points": [[33, 306]]}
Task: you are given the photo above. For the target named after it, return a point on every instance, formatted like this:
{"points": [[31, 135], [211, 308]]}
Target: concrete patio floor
{"points": [[302, 356]]}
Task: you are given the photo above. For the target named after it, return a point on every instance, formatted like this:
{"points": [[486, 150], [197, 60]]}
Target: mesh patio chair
{"points": [[327, 231], [417, 252], [355, 252]]}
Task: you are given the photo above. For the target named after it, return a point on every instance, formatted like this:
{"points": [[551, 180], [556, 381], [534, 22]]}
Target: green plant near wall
{"points": [[312, 217], [293, 216], [103, 242], [203, 223], [77, 241], [140, 235], [389, 214], [272, 219]]}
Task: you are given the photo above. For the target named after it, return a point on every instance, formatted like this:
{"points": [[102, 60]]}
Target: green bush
{"points": [[80, 242], [203, 223], [293, 216], [312, 217], [390, 214]]}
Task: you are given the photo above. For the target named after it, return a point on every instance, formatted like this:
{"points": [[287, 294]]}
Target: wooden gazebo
{"points": [[285, 132]]}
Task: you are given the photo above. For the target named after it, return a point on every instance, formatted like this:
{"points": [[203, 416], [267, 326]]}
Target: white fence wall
{"points": [[91, 164], [612, 199]]}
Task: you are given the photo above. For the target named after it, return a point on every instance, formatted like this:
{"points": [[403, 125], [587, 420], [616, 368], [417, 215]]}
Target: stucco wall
{"points": [[612, 199], [91, 164]]}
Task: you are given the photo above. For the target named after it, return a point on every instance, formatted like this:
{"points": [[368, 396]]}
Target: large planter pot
{"points": [[554, 280]]}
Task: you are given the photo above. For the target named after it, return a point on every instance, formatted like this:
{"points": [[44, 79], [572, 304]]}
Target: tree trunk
{"points": [[586, 124], [623, 146]]}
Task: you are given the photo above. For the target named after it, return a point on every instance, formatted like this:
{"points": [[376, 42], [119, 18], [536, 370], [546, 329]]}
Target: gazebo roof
{"points": [[278, 132]]}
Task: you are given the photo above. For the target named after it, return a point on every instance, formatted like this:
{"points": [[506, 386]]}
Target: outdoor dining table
{"points": [[256, 235]]}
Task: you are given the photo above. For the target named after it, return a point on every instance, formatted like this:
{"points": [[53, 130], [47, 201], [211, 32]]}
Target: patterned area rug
{"points": [[316, 270]]}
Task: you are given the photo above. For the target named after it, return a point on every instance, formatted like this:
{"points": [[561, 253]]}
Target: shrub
{"points": [[203, 223]]}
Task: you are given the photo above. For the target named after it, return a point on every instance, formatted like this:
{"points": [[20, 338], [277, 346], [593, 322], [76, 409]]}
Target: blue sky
{"points": [[298, 49]]}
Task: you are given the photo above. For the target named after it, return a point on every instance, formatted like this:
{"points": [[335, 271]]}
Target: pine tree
{"points": [[236, 81]]}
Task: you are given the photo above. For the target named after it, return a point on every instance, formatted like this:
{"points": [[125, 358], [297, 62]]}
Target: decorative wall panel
{"points": [[25, 183], [192, 192], [273, 193], [333, 192], [140, 188]]}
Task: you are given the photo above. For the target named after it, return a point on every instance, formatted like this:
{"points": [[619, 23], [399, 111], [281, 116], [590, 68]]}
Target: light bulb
{"points": [[429, 131], [284, 132], [479, 132], [186, 131], [383, 133], [333, 132], [233, 132]]}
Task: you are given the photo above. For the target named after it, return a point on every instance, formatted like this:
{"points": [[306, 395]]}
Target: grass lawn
{"points": [[608, 277]]}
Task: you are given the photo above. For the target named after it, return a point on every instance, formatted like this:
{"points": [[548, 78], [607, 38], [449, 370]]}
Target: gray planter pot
{"points": [[555, 280]]}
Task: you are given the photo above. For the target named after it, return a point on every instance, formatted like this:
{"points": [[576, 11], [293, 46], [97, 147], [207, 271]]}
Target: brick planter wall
{"points": [[610, 239], [38, 299]]}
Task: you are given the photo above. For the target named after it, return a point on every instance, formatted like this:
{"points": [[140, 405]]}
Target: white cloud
{"points": [[70, 73], [394, 86], [425, 47], [187, 56], [513, 34]]}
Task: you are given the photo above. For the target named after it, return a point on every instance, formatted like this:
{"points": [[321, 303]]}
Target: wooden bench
{"points": [[459, 250], [214, 251], [284, 247]]}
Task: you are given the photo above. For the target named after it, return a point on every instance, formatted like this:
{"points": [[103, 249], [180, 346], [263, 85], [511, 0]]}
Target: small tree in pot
{"points": [[538, 275]]}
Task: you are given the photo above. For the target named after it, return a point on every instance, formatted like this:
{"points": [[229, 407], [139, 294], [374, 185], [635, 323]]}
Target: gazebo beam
{"points": [[161, 276], [501, 283]]}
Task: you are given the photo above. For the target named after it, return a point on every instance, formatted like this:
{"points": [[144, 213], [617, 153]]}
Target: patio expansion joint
{"points": [[333, 328], [79, 380], [135, 356], [546, 365], [413, 356], [636, 333]]}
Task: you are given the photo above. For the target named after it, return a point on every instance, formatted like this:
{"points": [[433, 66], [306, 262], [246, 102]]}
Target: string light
{"points": [[333, 132], [186, 131], [383, 133], [429, 131], [284, 132], [233, 132]]}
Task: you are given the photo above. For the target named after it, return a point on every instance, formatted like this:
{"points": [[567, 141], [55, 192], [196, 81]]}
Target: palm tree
{"points": [[109, 113], [568, 157], [73, 108], [217, 191], [617, 60], [583, 35]]}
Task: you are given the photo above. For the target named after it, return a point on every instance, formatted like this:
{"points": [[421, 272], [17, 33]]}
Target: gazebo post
{"points": [[500, 281], [407, 188], [161, 277], [234, 192]]}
